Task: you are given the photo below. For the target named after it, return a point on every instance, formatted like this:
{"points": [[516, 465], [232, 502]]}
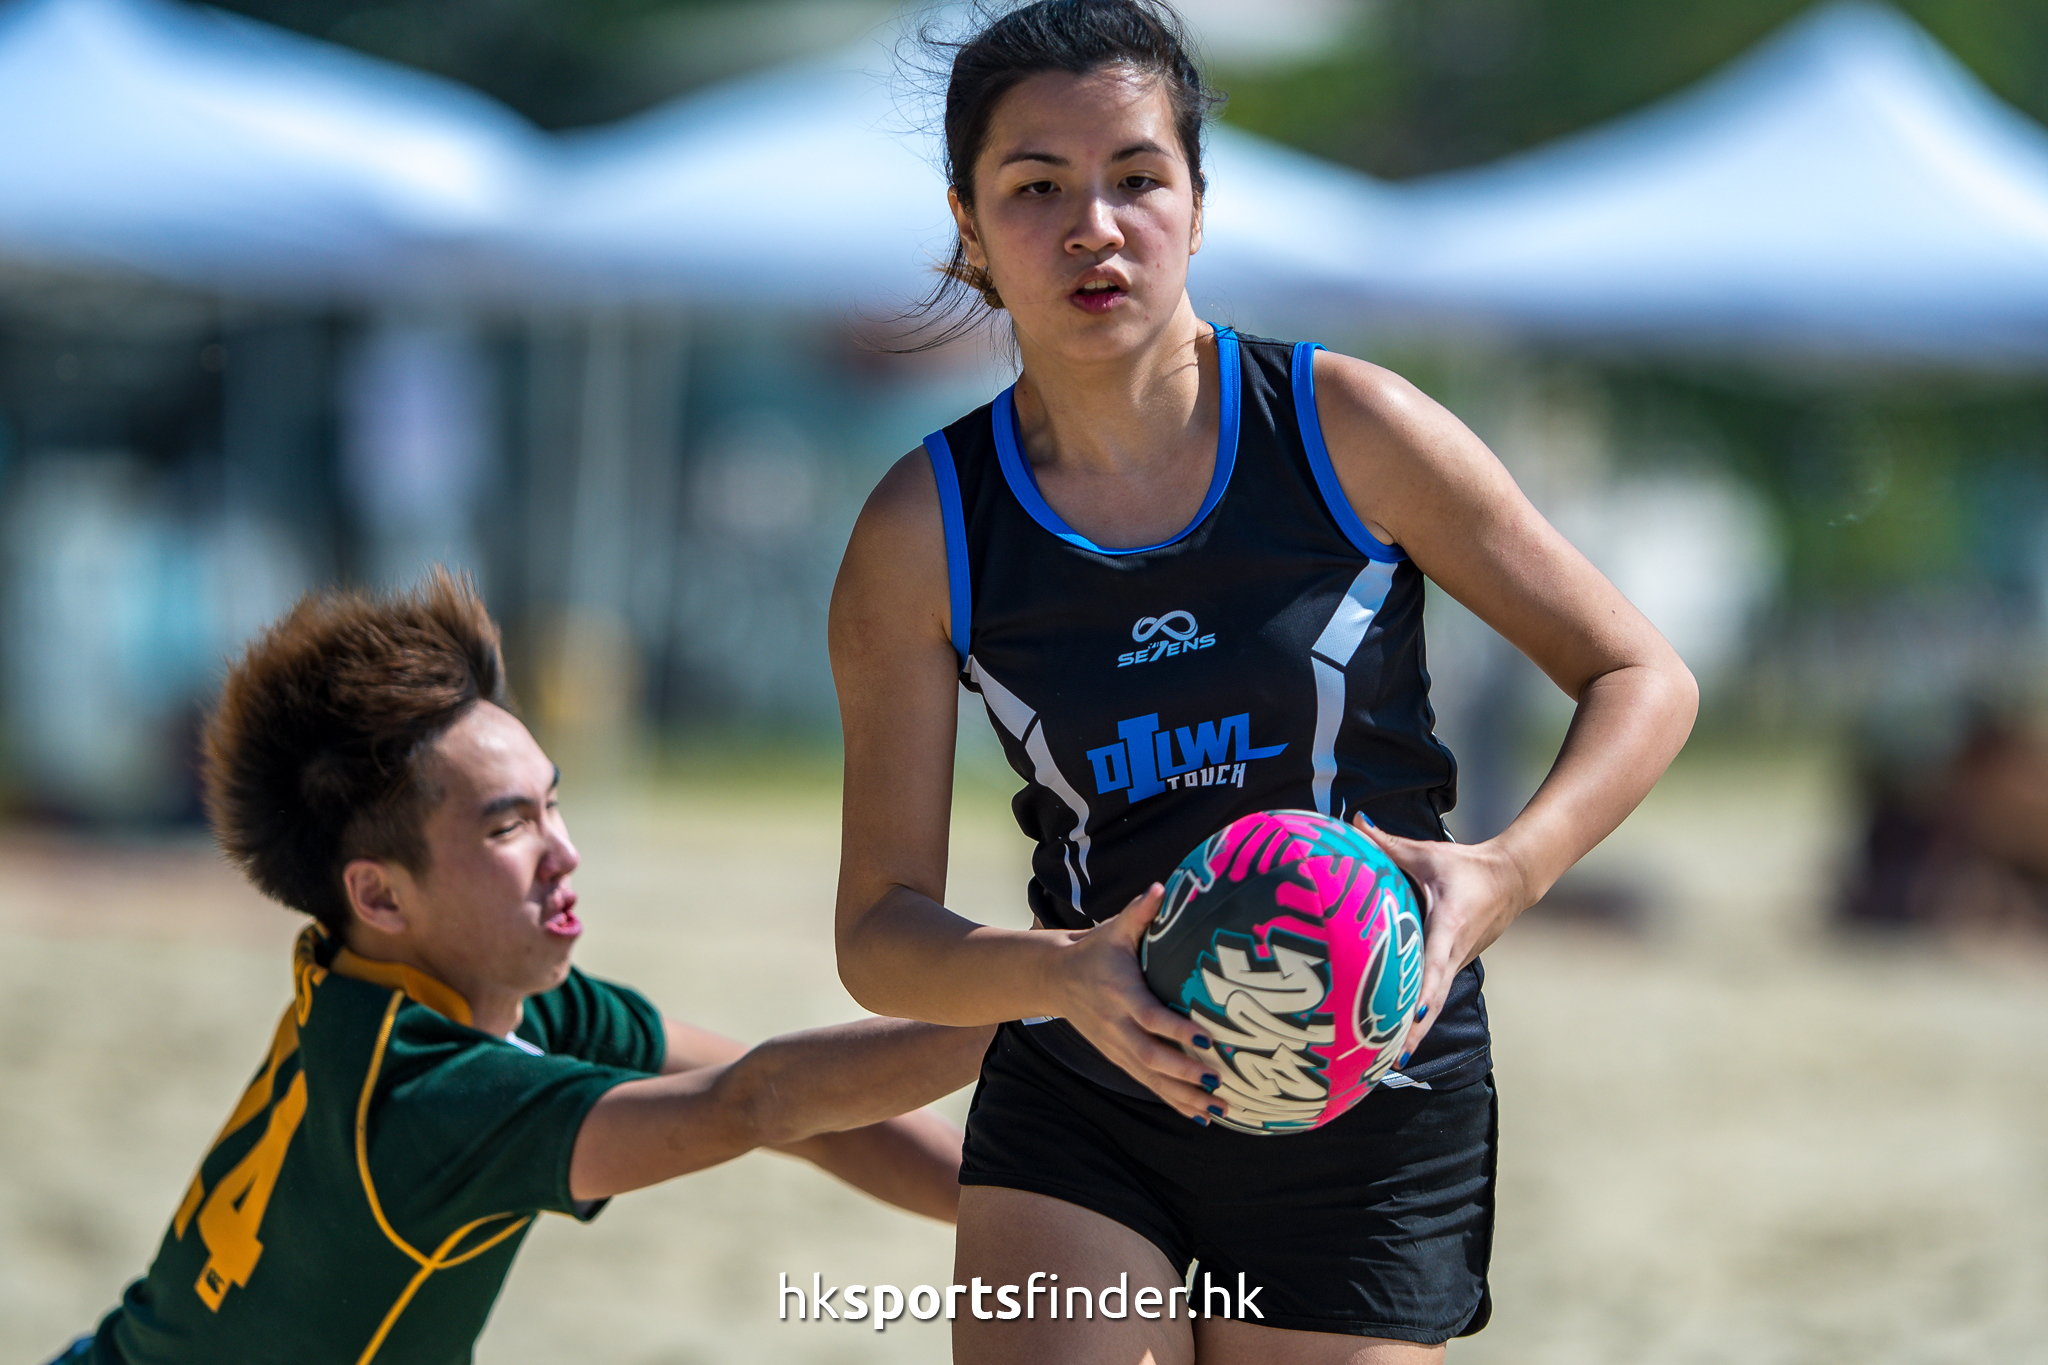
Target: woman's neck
{"points": [[1122, 415]]}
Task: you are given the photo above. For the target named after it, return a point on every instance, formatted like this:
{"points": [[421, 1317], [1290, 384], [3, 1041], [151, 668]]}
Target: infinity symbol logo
{"points": [[1149, 626]]}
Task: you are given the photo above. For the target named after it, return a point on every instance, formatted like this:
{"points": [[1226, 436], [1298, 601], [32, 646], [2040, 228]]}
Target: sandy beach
{"points": [[1727, 1135]]}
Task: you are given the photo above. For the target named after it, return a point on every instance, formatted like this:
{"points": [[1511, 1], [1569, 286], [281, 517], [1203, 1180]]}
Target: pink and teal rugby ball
{"points": [[1297, 945]]}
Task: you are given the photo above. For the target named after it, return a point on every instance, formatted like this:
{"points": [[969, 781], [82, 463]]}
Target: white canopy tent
{"points": [[817, 185], [1291, 241], [189, 144], [801, 185], [1848, 187]]}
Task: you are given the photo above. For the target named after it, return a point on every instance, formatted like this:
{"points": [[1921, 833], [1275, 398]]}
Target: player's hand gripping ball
{"points": [[1297, 944]]}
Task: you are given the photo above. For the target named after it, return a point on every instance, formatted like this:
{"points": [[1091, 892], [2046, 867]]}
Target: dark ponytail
{"points": [[1076, 36]]}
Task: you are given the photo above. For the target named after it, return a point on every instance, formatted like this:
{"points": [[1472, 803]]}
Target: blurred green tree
{"points": [[1416, 86], [567, 63], [1407, 87]]}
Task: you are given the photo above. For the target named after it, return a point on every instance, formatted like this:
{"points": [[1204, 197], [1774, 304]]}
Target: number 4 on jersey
{"points": [[234, 1211]]}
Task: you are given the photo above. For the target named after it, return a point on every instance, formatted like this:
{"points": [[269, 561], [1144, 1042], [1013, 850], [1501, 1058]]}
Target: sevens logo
{"points": [[1176, 633]]}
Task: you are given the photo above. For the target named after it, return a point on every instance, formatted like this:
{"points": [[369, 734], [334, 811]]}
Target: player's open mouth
{"points": [[1097, 296], [563, 923]]}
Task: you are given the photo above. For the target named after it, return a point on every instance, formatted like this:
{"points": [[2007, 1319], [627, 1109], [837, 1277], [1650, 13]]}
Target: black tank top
{"points": [[1269, 655]]}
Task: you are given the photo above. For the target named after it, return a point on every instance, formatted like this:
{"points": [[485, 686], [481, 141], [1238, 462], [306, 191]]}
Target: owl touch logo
{"points": [[1144, 762], [1182, 636]]}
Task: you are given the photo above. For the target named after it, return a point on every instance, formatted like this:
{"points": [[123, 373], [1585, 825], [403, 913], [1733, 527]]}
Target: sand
{"points": [[1727, 1136]]}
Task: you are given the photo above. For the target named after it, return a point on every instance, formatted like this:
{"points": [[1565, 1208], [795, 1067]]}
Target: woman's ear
{"points": [[374, 898], [1195, 231], [970, 237]]}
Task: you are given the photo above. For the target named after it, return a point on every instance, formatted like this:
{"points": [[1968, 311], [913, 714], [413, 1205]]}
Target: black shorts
{"points": [[1378, 1225]]}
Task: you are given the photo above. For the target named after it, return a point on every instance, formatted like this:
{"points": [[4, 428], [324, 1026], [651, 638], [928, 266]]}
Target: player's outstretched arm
{"points": [[778, 1094], [911, 1161]]}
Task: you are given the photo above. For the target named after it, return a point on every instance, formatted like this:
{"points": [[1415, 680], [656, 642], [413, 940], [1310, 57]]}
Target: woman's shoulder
{"points": [[894, 584], [905, 499], [1367, 403], [1376, 403], [1353, 384]]}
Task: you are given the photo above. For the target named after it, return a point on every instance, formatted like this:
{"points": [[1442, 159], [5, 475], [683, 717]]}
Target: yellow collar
{"points": [[435, 995]]}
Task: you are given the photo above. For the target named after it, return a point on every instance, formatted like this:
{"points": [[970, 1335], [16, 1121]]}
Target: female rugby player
{"points": [[1184, 571]]}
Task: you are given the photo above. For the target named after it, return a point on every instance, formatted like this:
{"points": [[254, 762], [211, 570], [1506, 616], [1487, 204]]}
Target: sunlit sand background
{"points": [[1727, 1136]]}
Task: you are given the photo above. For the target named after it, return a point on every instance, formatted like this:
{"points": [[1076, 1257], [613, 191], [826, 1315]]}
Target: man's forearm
{"points": [[851, 1075], [778, 1094], [912, 1161]]}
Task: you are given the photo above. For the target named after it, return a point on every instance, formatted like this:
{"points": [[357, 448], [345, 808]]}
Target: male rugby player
{"points": [[443, 1074]]}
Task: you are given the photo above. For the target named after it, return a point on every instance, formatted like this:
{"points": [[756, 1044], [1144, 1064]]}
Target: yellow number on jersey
{"points": [[234, 1211], [252, 1103]]}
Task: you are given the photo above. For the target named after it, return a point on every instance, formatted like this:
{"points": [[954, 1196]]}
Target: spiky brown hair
{"points": [[313, 756]]}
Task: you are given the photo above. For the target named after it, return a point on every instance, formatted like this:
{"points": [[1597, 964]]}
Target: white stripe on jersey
{"points": [[1021, 721], [1331, 655]]}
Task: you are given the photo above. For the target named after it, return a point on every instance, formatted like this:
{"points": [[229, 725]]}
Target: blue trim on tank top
{"points": [[1319, 464], [959, 591], [1017, 470]]}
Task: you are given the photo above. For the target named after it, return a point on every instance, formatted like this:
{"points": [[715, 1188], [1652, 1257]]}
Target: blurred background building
{"points": [[592, 299]]}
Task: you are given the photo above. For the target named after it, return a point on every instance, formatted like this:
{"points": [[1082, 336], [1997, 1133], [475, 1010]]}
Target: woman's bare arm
{"points": [[901, 951], [1420, 479]]}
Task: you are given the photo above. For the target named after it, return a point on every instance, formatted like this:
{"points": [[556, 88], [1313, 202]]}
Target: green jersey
{"points": [[368, 1194]]}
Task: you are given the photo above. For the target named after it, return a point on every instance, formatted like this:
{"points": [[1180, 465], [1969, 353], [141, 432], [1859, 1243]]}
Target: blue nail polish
{"points": [[1217, 1110], [1201, 1040], [1202, 1119], [1210, 1083], [1403, 1061], [1422, 1014]]}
